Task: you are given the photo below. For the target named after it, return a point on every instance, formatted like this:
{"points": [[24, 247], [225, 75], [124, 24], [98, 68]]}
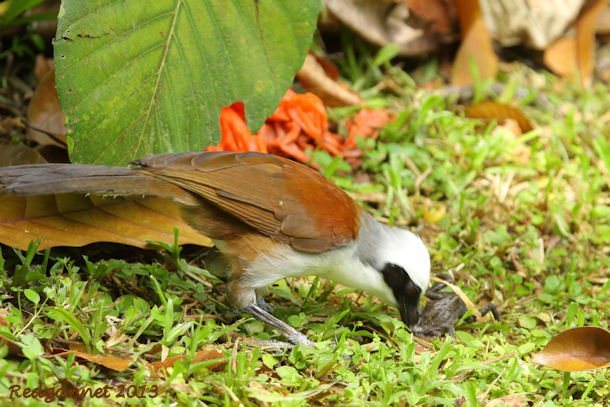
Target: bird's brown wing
{"points": [[276, 196]]}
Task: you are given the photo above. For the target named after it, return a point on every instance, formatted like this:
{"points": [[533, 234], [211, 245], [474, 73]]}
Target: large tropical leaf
{"points": [[138, 77]]}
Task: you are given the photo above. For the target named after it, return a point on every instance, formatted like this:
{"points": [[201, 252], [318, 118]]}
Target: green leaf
{"points": [[62, 315], [290, 376], [31, 295], [32, 348], [527, 322], [386, 53], [269, 360], [140, 77]]}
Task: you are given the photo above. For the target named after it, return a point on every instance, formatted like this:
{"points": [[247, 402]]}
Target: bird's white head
{"points": [[403, 261], [407, 251]]}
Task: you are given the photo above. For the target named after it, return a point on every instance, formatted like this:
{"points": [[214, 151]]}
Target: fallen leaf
{"points": [[15, 154], [315, 79], [383, 22], [44, 112], [498, 111], [512, 126], [585, 39], [577, 349], [77, 220], [208, 353], [602, 25], [476, 46], [560, 57], [438, 13], [534, 25], [7, 125], [111, 362], [566, 56]]}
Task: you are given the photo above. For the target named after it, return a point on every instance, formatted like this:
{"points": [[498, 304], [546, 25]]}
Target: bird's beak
{"points": [[409, 312]]}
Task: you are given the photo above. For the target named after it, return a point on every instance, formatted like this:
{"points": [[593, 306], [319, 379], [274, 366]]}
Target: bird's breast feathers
{"points": [[341, 265]]}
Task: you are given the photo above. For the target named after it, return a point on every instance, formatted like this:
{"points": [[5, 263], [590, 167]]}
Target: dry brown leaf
{"points": [[566, 56], [533, 24], [439, 13], [330, 69], [560, 57], [208, 353], [577, 349], [585, 40], [7, 125], [315, 78], [14, 154], [77, 220], [500, 112], [510, 125], [108, 361], [513, 400], [44, 111], [602, 25], [468, 11], [476, 46], [383, 22]]}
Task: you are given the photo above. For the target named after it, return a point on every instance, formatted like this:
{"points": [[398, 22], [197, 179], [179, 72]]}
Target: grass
{"points": [[521, 221]]}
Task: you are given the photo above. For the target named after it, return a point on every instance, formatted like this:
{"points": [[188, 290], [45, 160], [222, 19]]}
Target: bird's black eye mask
{"points": [[405, 291]]}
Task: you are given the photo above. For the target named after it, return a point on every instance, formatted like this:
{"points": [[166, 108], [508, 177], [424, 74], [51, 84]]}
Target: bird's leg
{"points": [[260, 300], [289, 332], [240, 294], [264, 305]]}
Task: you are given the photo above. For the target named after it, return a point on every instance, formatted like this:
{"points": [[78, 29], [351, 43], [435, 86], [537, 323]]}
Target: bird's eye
{"points": [[399, 281]]}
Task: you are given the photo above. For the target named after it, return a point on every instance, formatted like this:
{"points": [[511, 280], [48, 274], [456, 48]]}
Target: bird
{"points": [[269, 217]]}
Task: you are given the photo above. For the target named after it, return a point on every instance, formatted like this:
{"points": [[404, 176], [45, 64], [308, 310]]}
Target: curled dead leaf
{"points": [[585, 39], [439, 14], [208, 353], [476, 46], [7, 125], [316, 79], [383, 22], [566, 56], [15, 154], [111, 362], [560, 56], [500, 112], [44, 112], [577, 349]]}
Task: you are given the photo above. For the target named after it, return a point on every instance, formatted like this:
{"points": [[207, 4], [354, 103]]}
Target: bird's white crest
{"points": [[380, 245]]}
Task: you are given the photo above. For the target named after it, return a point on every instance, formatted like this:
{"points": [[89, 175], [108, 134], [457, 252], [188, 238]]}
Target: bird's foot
{"points": [[289, 332]]}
